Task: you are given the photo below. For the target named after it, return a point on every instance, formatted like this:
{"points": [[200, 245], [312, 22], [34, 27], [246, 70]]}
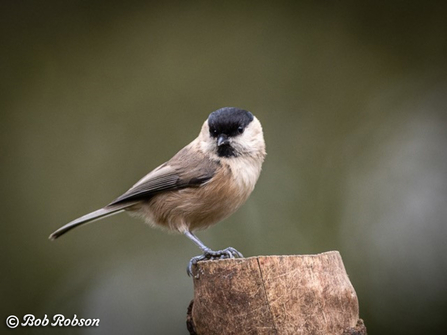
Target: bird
{"points": [[201, 185]]}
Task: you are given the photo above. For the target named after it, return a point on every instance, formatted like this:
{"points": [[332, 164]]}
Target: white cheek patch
{"points": [[251, 140]]}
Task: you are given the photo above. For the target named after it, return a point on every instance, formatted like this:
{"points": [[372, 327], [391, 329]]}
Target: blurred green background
{"points": [[352, 96]]}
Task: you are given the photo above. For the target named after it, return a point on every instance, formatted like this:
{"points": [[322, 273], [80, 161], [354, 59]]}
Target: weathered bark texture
{"points": [[309, 294]]}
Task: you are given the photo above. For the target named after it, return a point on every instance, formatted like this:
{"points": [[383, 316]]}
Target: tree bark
{"points": [[308, 294]]}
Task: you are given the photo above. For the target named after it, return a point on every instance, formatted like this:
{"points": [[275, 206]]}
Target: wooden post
{"points": [[308, 294]]}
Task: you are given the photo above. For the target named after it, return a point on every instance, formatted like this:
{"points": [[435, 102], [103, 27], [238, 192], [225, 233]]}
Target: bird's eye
{"points": [[240, 130], [214, 131]]}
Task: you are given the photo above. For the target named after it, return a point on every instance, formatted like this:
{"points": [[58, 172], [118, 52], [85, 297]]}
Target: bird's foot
{"points": [[209, 254]]}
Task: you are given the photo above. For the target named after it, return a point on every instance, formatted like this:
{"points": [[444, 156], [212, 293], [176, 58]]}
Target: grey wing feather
{"points": [[161, 179], [183, 170]]}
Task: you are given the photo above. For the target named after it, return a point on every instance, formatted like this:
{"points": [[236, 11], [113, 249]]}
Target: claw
{"points": [[209, 254]]}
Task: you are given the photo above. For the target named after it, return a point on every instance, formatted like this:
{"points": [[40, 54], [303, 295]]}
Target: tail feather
{"points": [[93, 216]]}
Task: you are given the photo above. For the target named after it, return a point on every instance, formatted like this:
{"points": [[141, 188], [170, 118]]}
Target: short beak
{"points": [[222, 139]]}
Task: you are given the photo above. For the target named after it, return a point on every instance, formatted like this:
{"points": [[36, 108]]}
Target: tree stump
{"points": [[308, 294]]}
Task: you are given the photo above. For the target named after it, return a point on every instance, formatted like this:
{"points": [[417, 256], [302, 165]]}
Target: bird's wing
{"points": [[186, 169]]}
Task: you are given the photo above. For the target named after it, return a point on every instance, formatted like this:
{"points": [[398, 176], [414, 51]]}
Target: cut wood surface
{"points": [[306, 294]]}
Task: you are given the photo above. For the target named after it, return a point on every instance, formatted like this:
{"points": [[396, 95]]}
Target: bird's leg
{"points": [[208, 254]]}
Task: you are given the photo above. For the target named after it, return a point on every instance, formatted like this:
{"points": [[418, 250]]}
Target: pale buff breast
{"points": [[198, 208]]}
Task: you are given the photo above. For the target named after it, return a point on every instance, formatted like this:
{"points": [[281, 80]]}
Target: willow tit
{"points": [[205, 182]]}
